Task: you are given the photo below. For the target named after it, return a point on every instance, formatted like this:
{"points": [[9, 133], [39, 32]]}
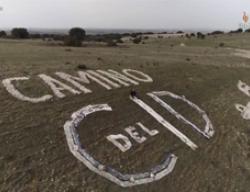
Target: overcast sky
{"points": [[166, 14]]}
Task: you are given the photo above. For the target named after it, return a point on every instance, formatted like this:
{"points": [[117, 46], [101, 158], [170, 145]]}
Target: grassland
{"points": [[34, 155]]}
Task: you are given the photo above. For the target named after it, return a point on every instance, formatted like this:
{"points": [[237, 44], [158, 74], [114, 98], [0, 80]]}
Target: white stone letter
{"points": [[135, 135], [142, 76], [150, 132], [104, 79], [73, 80], [57, 86], [123, 147], [7, 83], [118, 77]]}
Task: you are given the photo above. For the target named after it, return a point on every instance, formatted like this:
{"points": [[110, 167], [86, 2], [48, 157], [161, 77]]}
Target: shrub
{"points": [[222, 44], [217, 33], [137, 40], [119, 41], [82, 67], [237, 31], [3, 34], [134, 35], [200, 35], [111, 43], [192, 35], [179, 32], [35, 36], [20, 33]]}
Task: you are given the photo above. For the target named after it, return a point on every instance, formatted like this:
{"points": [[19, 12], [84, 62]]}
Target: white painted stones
{"points": [[7, 83], [76, 85], [165, 123], [124, 180], [244, 110], [124, 143], [208, 131], [156, 173]]}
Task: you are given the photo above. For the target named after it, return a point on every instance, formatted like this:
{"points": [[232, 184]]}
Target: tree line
{"points": [[77, 35]]}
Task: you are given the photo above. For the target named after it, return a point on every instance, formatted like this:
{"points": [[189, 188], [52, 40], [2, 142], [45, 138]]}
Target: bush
{"points": [[179, 32], [119, 41], [222, 44], [20, 33], [3, 34], [217, 33], [111, 43], [75, 37], [35, 36], [134, 35], [237, 31], [200, 35], [82, 67], [137, 40], [192, 35]]}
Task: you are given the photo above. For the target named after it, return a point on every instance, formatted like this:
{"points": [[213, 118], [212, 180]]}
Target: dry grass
{"points": [[34, 155]]}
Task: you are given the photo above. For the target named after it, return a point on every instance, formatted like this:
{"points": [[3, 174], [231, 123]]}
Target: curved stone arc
{"points": [[124, 180], [208, 130]]}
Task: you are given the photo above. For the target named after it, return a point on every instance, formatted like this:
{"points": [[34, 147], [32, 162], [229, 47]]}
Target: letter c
{"points": [[7, 83]]}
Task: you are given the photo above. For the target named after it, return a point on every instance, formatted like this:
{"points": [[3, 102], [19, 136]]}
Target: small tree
{"points": [[137, 40], [111, 43], [3, 34], [200, 35], [76, 36], [77, 33], [20, 33]]}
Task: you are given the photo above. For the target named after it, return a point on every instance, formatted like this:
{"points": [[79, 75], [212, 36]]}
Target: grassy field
{"points": [[34, 154]]}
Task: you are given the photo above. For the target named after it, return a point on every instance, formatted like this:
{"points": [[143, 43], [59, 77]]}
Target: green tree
{"points": [[3, 34], [75, 37], [20, 33]]}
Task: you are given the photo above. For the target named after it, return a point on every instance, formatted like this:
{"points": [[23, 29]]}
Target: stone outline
{"points": [[208, 130], [124, 180]]}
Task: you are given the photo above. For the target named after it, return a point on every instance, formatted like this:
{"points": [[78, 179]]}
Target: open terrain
{"points": [[34, 154]]}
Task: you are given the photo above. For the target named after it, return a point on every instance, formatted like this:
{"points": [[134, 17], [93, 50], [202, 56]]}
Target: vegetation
{"points": [[137, 40], [75, 37], [200, 35], [20, 33], [32, 135], [3, 34], [216, 33], [111, 43], [237, 31], [222, 44]]}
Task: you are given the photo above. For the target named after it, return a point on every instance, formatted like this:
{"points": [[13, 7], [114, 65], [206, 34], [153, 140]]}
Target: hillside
{"points": [[35, 155]]}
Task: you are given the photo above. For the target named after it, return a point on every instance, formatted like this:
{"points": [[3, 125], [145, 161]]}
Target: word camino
{"points": [[108, 79]]}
